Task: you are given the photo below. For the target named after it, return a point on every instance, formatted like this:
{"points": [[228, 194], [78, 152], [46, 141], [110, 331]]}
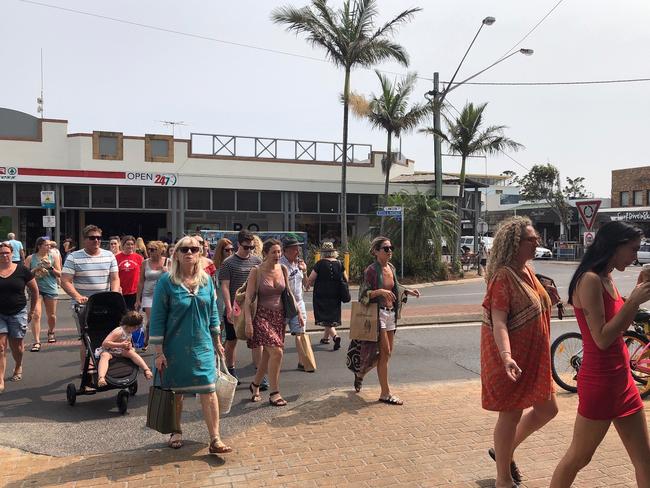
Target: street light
{"points": [[437, 98]]}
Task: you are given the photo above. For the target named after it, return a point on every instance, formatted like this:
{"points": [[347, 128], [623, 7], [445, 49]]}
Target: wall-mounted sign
{"points": [[49, 221], [48, 199]]}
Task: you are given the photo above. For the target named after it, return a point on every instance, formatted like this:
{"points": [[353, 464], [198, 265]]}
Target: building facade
{"points": [[151, 185]]}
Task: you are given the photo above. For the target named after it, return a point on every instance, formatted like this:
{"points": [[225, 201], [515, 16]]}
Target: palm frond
{"points": [[379, 50], [389, 27]]}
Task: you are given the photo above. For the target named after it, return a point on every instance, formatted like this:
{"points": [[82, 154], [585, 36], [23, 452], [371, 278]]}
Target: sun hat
{"points": [[289, 242], [327, 250]]}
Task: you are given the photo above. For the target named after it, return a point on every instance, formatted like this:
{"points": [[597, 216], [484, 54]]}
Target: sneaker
{"points": [[264, 385], [233, 373]]}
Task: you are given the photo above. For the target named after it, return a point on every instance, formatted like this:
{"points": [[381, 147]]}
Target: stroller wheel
{"points": [[71, 394], [122, 401], [133, 389]]}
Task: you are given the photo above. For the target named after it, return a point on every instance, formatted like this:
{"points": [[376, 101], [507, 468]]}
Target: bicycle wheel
{"points": [[645, 390], [635, 344], [566, 358]]}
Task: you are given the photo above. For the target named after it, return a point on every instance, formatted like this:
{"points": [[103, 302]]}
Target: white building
{"points": [[155, 184]]}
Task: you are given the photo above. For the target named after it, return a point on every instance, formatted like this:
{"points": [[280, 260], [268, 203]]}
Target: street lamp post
{"points": [[437, 97]]}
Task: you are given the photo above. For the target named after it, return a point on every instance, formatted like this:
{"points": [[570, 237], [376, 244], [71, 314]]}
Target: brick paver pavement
{"points": [[439, 437]]}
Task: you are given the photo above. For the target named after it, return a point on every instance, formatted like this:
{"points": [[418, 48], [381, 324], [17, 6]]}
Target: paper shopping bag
{"points": [[363, 322]]}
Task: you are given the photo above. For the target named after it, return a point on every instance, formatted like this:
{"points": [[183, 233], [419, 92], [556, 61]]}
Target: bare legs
{"points": [[587, 436], [512, 428], [50, 312], [229, 348], [105, 357], [385, 350], [270, 363], [36, 320], [3, 360], [147, 312], [16, 346]]}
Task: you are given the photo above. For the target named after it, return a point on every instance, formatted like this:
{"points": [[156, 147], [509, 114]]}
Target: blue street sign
{"points": [[388, 213]]}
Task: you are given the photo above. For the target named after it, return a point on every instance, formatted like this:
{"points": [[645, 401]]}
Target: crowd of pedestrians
{"points": [[189, 295]]}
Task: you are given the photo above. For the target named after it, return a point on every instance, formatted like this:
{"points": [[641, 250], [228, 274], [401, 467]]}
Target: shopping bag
{"points": [[137, 338], [238, 308], [309, 361], [226, 385], [363, 322], [161, 409]]}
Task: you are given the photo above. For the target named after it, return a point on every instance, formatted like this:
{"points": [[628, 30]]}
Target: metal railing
{"points": [[274, 148]]}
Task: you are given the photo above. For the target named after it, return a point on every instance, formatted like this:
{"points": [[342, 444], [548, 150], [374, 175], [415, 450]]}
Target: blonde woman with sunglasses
{"points": [[185, 332]]}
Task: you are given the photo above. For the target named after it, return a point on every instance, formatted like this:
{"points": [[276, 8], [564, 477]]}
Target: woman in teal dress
{"points": [[184, 331]]}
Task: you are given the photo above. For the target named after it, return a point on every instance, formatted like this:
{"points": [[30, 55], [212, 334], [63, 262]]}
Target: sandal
{"points": [[325, 341], [36, 347], [218, 447], [175, 443], [278, 402], [256, 396], [358, 383], [101, 382], [16, 377], [391, 400], [337, 343], [51, 337], [514, 469]]}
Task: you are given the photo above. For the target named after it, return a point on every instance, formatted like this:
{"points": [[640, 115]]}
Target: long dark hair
{"points": [[607, 241]]}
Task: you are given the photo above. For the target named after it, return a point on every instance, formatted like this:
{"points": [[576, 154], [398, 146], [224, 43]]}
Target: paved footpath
{"points": [[439, 437]]}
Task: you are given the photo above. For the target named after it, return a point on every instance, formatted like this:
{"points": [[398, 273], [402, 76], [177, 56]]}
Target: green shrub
{"points": [[360, 257]]}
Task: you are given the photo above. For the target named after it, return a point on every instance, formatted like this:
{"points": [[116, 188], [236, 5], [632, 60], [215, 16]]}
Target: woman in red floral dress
{"points": [[515, 345]]}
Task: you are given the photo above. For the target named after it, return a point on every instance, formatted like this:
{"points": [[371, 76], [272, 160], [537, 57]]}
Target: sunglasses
{"points": [[188, 249], [248, 248], [388, 248], [228, 249], [94, 238]]}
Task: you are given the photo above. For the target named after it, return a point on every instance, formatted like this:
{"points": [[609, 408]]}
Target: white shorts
{"points": [[387, 319], [146, 302]]}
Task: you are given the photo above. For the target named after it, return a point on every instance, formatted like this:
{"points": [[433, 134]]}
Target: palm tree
{"points": [[350, 39], [390, 111], [467, 137]]}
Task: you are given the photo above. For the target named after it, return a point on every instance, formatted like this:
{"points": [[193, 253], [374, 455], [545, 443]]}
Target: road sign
{"points": [[588, 238], [393, 209], [588, 210], [47, 199], [49, 221], [482, 227], [387, 213]]}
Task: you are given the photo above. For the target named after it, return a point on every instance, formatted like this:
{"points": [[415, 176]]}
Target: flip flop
{"points": [[391, 400], [514, 469], [16, 377], [36, 347]]}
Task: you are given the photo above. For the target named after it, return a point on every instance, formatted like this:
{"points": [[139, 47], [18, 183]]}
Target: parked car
{"points": [[543, 253], [468, 241], [643, 255]]}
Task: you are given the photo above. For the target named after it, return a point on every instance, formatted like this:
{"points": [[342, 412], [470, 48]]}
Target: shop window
{"points": [[638, 198], [104, 196], [6, 194], [198, 199], [368, 204], [108, 145], [308, 202], [247, 201], [352, 203], [28, 195], [625, 199], [130, 196], [271, 201], [75, 196], [158, 148], [329, 203], [223, 199], [155, 197]]}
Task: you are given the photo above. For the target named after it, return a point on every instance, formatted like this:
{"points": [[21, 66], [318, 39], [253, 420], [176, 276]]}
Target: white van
{"points": [[468, 241]]}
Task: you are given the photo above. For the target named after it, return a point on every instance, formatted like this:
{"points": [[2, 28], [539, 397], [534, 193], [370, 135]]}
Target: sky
{"points": [[105, 75]]}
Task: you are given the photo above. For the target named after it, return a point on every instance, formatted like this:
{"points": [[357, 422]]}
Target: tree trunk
{"points": [[344, 165], [461, 195], [389, 163]]}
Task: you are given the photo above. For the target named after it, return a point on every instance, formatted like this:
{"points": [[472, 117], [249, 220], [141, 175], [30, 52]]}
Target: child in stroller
{"points": [[118, 343]]}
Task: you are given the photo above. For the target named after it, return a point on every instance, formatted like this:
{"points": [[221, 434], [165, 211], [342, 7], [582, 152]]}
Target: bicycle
{"points": [[566, 355]]}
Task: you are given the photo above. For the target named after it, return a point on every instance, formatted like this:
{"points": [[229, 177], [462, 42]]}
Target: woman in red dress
{"points": [[515, 345], [606, 390]]}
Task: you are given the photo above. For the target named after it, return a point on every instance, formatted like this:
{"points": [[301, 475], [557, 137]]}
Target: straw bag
{"points": [[225, 386], [238, 310], [161, 409]]}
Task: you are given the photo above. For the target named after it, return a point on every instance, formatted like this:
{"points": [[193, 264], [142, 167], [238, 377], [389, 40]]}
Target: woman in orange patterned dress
{"points": [[515, 345]]}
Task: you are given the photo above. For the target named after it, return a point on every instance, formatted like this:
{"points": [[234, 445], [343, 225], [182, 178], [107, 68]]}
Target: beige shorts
{"points": [[387, 319]]}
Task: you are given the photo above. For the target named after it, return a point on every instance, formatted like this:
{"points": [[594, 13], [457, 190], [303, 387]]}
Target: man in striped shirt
{"points": [[88, 271]]}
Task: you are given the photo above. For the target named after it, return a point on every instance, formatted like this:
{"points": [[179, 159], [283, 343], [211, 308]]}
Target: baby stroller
{"points": [[97, 318]]}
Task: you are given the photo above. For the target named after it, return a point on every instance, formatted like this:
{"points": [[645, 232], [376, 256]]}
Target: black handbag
{"points": [[547, 281], [161, 409], [288, 300], [344, 290]]}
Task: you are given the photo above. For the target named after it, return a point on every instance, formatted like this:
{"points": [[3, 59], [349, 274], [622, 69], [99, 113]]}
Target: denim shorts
{"points": [[294, 323], [49, 296], [14, 325]]}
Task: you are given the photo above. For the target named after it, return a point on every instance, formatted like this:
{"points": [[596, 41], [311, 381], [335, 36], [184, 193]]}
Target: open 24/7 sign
{"points": [[588, 210]]}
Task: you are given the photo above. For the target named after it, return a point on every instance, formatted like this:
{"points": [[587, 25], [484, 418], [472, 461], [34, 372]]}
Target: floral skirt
{"points": [[268, 328]]}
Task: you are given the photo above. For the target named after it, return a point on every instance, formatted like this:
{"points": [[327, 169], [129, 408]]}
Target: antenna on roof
{"points": [[39, 100], [172, 124]]}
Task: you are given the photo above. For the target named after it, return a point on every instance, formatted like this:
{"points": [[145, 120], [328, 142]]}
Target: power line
{"points": [[556, 83]]}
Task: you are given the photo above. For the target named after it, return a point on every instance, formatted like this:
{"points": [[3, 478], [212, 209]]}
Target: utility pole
{"points": [[437, 151]]}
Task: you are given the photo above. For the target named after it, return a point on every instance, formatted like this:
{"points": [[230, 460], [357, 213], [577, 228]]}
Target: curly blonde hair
{"points": [[506, 244]]}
